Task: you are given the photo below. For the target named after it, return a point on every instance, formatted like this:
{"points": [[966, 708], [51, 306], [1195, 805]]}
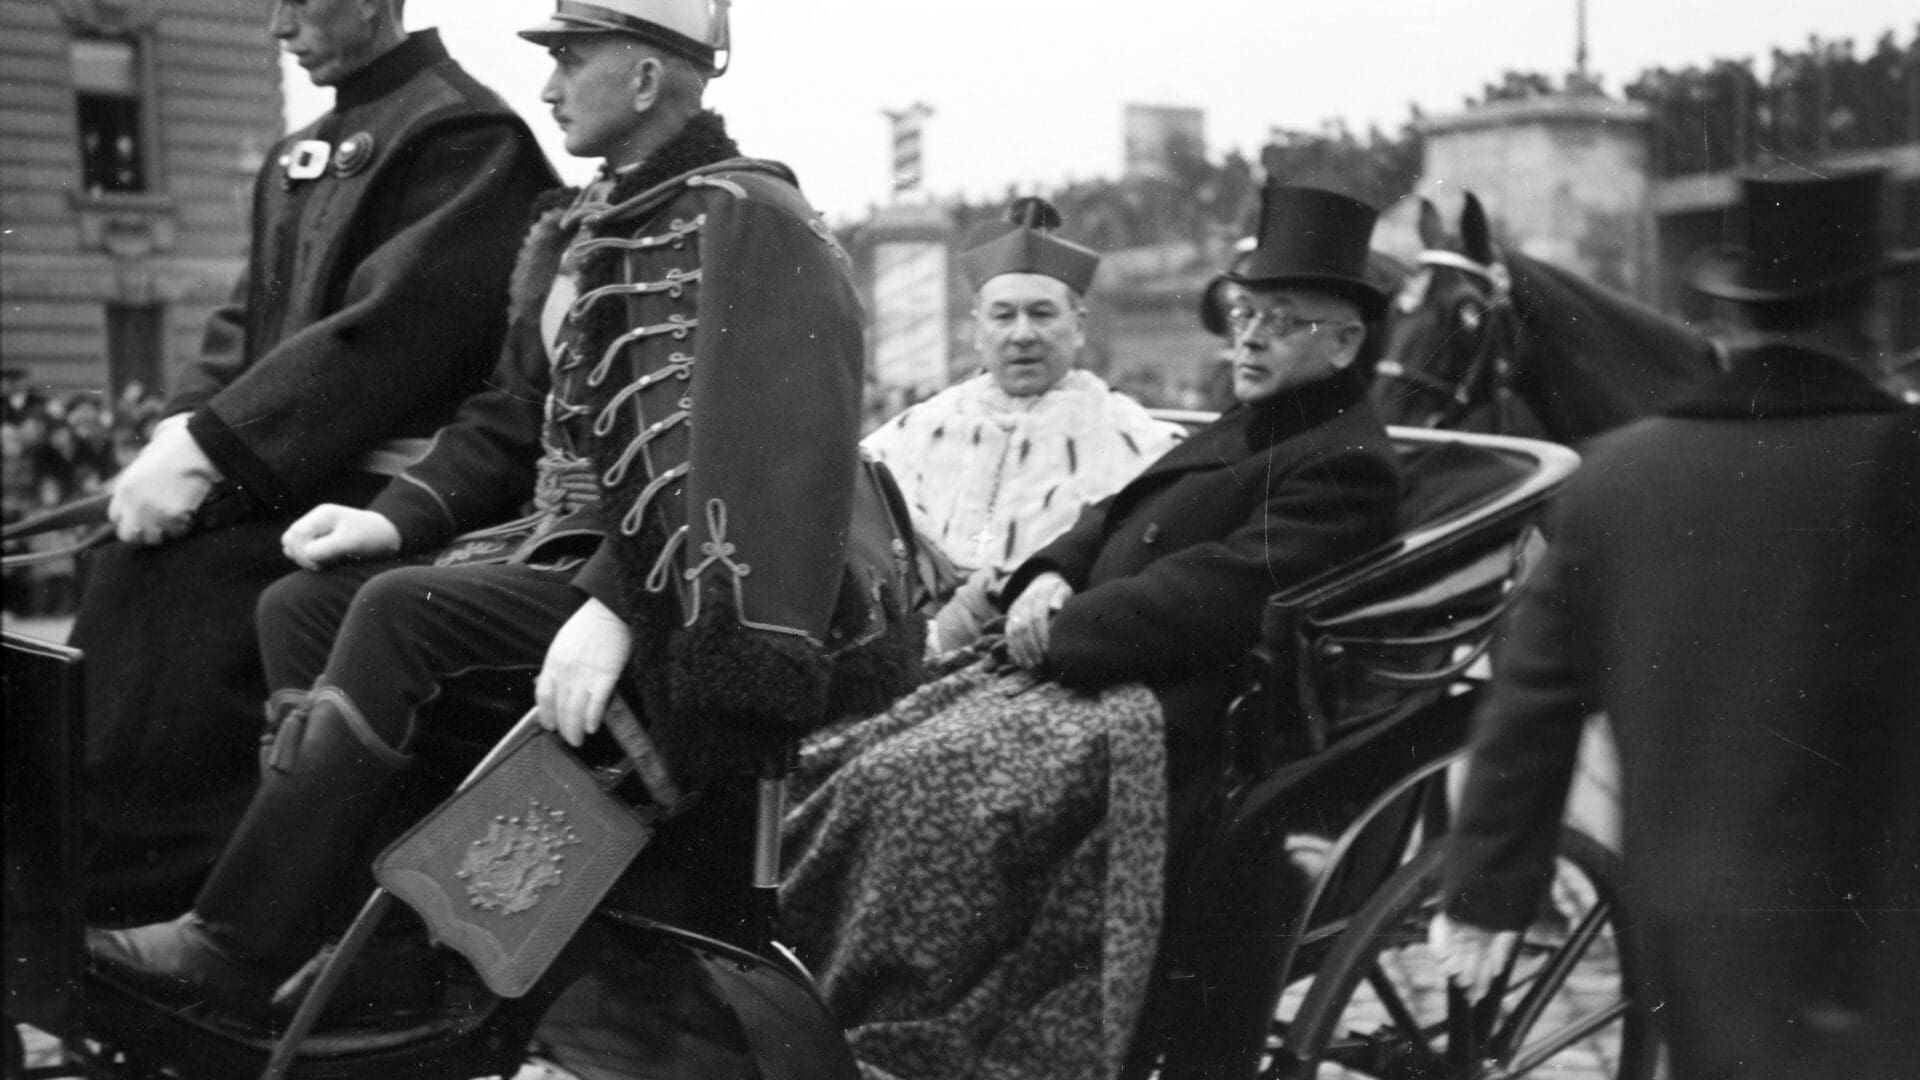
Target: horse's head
{"points": [[1452, 333], [1489, 340]]}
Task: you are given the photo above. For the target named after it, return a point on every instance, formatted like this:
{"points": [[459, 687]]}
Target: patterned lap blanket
{"points": [[975, 877]]}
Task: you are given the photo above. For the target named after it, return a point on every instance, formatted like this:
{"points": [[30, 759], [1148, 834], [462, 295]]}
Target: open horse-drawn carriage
{"points": [[1296, 911]]}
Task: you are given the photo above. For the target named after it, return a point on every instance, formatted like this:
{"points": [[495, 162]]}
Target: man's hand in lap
{"points": [[1028, 619], [155, 496], [330, 533]]}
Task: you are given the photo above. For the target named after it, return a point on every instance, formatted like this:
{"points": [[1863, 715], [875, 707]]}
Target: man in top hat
{"points": [[653, 496], [987, 790], [372, 305], [1384, 272], [1736, 584], [996, 466]]}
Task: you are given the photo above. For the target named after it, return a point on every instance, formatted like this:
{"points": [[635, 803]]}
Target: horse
{"points": [[1490, 340]]}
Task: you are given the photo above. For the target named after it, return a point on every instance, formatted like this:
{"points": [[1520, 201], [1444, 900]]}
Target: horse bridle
{"points": [[1489, 372]]}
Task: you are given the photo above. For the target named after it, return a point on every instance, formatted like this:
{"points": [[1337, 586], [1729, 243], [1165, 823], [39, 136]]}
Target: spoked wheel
{"points": [[1379, 1007]]}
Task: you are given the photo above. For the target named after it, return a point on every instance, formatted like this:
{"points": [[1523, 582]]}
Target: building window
{"points": [[107, 82], [135, 351]]}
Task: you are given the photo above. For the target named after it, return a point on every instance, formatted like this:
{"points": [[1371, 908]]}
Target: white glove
{"points": [[583, 664], [960, 621], [1470, 956], [155, 496], [1030, 616], [329, 533]]}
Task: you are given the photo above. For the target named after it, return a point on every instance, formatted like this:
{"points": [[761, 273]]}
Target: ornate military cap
{"points": [[1024, 243], [696, 29]]}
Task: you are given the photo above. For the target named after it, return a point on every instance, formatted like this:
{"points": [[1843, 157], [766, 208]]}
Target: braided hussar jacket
{"points": [[680, 397]]}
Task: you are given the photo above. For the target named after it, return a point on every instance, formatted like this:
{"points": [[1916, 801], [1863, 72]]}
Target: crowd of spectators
{"points": [[59, 447]]}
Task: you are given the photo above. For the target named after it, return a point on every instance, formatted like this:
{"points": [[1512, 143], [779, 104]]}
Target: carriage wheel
{"points": [[1379, 1007]]}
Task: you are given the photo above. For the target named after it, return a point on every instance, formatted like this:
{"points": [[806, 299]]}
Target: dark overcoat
{"points": [[373, 302], [1737, 585], [1172, 572]]}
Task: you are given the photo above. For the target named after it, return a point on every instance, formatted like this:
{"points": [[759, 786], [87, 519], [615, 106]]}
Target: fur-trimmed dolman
{"points": [[681, 396]]}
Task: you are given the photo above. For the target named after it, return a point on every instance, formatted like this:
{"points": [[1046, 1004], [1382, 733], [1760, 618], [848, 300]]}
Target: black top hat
{"points": [[1804, 236], [1312, 237], [1023, 243]]}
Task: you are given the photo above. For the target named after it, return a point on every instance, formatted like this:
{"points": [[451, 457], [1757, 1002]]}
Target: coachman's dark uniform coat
{"points": [[1737, 585], [371, 307], [1171, 573]]}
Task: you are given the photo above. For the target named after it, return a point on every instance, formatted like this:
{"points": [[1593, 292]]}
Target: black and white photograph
{"points": [[1047, 540]]}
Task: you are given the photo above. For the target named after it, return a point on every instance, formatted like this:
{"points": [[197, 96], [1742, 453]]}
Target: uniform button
{"points": [[1152, 535]]}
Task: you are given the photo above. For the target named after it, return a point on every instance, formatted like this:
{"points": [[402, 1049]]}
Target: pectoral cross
{"points": [[981, 539]]}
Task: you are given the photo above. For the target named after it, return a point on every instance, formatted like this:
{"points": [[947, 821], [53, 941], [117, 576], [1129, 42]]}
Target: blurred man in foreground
{"points": [[1737, 585]]}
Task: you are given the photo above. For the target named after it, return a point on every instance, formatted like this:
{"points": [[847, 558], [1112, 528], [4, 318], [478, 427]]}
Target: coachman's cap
{"points": [[1024, 243], [696, 29], [1315, 238], [1805, 235]]}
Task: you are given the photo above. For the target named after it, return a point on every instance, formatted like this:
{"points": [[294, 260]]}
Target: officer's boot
{"points": [[294, 871]]}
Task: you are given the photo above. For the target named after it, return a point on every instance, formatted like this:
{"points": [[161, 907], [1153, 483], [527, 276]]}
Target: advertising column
{"points": [[910, 238]]}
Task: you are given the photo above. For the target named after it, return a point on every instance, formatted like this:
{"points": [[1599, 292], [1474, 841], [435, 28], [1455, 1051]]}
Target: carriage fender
{"points": [[785, 1026], [788, 1030]]}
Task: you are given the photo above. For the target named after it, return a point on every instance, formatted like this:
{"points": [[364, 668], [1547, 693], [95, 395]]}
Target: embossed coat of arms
{"points": [[518, 858]]}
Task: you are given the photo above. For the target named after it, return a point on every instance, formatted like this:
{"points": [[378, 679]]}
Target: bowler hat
{"points": [[1023, 243], [1316, 238], [696, 29], [1805, 235]]}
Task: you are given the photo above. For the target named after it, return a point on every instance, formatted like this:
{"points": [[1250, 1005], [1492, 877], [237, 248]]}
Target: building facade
{"points": [[1593, 184], [130, 131], [1156, 136]]}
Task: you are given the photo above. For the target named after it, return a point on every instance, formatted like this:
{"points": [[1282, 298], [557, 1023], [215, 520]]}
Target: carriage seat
{"points": [[1387, 634]]}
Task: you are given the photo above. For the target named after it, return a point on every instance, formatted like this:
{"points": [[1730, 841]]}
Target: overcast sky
{"points": [[1031, 91]]}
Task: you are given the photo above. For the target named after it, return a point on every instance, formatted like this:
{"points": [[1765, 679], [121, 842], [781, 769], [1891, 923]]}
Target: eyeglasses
{"points": [[1245, 320]]}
